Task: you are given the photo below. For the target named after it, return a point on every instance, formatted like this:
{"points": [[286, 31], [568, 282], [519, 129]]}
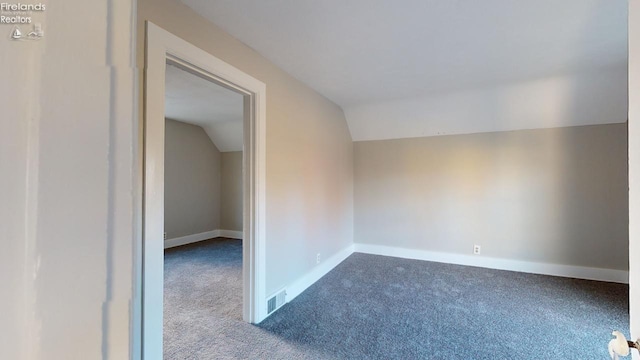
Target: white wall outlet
{"points": [[165, 236], [318, 258], [476, 249]]}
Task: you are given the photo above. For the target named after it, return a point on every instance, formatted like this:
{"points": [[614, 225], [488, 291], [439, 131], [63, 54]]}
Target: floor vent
{"points": [[276, 301]]}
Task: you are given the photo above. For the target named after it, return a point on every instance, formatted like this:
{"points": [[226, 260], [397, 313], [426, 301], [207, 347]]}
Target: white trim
{"points": [[162, 46], [189, 239], [578, 272], [231, 234], [300, 285]]}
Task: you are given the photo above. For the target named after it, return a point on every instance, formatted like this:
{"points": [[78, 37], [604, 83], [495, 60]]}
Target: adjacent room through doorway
{"points": [[203, 211]]}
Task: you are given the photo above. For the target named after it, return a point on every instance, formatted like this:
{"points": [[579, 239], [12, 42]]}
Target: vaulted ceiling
{"points": [[194, 100], [429, 67]]}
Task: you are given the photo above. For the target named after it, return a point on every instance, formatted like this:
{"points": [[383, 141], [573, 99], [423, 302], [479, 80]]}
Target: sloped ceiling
{"points": [[430, 67], [218, 110]]}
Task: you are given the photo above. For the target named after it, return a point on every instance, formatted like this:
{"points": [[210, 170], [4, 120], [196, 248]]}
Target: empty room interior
{"points": [[359, 179], [419, 185]]}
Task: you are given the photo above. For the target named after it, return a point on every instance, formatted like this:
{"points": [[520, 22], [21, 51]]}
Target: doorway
{"points": [[164, 48], [202, 212]]}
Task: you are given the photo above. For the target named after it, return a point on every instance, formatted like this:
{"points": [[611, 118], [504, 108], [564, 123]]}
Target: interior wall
{"points": [[634, 167], [551, 196], [192, 175], [309, 179], [16, 138], [567, 99], [231, 191], [67, 162]]}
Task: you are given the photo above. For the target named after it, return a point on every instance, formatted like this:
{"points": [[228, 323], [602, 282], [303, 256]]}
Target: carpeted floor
{"points": [[376, 307]]}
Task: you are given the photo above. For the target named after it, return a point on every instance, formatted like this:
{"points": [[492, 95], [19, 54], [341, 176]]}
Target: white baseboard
{"points": [[232, 234], [579, 272], [184, 240], [300, 285]]}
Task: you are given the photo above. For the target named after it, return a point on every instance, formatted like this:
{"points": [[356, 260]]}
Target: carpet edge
{"points": [[571, 271]]}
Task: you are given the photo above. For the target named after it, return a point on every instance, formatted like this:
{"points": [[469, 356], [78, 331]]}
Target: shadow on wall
{"points": [[580, 189], [231, 191], [593, 202]]}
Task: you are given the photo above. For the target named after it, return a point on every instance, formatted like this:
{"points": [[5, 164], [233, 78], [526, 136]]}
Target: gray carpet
{"points": [[375, 307]]}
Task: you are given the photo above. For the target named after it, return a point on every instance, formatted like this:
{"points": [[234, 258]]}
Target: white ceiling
{"points": [[194, 100], [364, 53]]}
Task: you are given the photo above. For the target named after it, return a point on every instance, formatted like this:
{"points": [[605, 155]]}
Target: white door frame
{"points": [[162, 46]]}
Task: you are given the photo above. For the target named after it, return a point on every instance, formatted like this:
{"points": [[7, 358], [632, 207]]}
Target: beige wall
{"points": [[203, 186], [231, 191], [16, 257], [192, 181], [634, 165], [552, 196], [67, 159], [309, 189]]}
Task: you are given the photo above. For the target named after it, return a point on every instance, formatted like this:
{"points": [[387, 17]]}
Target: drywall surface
{"points": [[16, 139], [552, 196], [634, 166], [309, 175], [571, 99], [426, 47], [192, 166], [231, 191], [68, 128]]}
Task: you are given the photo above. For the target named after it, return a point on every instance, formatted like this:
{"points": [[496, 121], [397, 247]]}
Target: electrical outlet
{"points": [[318, 258], [476, 249]]}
